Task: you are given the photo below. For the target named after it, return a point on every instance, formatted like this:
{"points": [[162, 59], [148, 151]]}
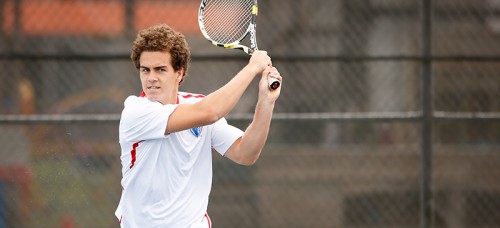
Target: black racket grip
{"points": [[273, 83]]}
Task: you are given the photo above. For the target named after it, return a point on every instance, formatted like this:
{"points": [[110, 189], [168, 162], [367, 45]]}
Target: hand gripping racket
{"points": [[225, 23]]}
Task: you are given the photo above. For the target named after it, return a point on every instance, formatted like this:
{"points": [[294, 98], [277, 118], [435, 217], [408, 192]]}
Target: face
{"points": [[159, 80]]}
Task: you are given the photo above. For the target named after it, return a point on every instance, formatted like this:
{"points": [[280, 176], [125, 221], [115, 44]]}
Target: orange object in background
{"points": [[180, 15], [102, 18]]}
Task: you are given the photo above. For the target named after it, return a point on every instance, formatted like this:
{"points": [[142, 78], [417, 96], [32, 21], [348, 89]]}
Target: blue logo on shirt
{"points": [[196, 131]]}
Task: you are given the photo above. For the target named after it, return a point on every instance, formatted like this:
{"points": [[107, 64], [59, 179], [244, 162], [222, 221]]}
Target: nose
{"points": [[152, 77]]}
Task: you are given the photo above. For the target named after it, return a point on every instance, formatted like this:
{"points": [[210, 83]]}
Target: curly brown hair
{"points": [[162, 38]]}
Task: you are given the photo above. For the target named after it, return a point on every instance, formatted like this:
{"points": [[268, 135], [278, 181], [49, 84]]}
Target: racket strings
{"points": [[227, 21]]}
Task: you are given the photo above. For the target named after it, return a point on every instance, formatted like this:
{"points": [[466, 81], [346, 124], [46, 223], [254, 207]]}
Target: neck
{"points": [[171, 98]]}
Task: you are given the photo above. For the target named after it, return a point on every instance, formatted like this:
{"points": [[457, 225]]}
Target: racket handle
{"points": [[273, 83]]}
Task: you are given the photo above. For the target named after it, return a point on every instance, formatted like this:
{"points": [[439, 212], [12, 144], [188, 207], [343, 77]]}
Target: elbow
{"points": [[248, 161], [244, 152]]}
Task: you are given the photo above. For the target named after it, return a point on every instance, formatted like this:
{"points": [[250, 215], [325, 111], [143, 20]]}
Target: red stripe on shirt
{"points": [[143, 94], [133, 153], [208, 220], [193, 95]]}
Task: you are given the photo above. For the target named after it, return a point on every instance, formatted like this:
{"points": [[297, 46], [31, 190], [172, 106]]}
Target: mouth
{"points": [[153, 87]]}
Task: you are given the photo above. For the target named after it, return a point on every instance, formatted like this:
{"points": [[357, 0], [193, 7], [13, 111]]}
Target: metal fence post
{"points": [[426, 160]]}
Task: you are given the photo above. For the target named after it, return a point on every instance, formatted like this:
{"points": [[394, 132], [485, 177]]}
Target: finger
{"points": [[274, 73]]}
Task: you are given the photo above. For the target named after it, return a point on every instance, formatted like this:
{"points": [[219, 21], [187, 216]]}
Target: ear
{"points": [[180, 76]]}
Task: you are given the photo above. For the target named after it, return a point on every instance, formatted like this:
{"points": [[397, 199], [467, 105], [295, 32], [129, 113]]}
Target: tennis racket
{"points": [[225, 23]]}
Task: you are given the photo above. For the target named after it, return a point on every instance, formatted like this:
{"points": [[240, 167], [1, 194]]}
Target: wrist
{"points": [[266, 104], [252, 69]]}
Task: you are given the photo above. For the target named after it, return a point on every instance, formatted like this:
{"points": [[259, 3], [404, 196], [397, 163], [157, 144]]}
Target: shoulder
{"points": [[142, 106], [190, 98], [132, 101]]}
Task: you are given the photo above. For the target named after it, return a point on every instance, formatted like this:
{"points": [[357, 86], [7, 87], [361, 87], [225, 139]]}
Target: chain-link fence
{"points": [[389, 114]]}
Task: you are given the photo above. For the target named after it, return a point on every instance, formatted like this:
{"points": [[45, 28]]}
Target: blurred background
{"points": [[389, 114]]}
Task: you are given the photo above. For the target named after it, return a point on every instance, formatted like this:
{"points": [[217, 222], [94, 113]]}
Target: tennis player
{"points": [[167, 136]]}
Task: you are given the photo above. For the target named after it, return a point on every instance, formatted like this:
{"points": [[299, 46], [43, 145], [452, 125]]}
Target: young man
{"points": [[167, 136]]}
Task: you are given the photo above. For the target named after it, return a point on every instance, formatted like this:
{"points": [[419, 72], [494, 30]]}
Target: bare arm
{"points": [[246, 150], [219, 103]]}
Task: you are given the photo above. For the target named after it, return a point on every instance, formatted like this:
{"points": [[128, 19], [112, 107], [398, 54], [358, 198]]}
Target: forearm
{"points": [[214, 106], [255, 136], [223, 100], [219, 103], [247, 149]]}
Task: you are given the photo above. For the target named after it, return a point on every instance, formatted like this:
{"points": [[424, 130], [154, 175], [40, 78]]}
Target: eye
{"points": [[144, 69]]}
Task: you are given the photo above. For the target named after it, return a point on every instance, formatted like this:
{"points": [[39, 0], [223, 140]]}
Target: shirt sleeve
{"points": [[224, 135], [143, 119]]}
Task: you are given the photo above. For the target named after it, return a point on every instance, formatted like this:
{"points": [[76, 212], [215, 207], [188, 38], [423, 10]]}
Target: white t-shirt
{"points": [[166, 178]]}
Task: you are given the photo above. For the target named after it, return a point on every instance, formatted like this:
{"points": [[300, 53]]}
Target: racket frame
{"points": [[251, 30]]}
